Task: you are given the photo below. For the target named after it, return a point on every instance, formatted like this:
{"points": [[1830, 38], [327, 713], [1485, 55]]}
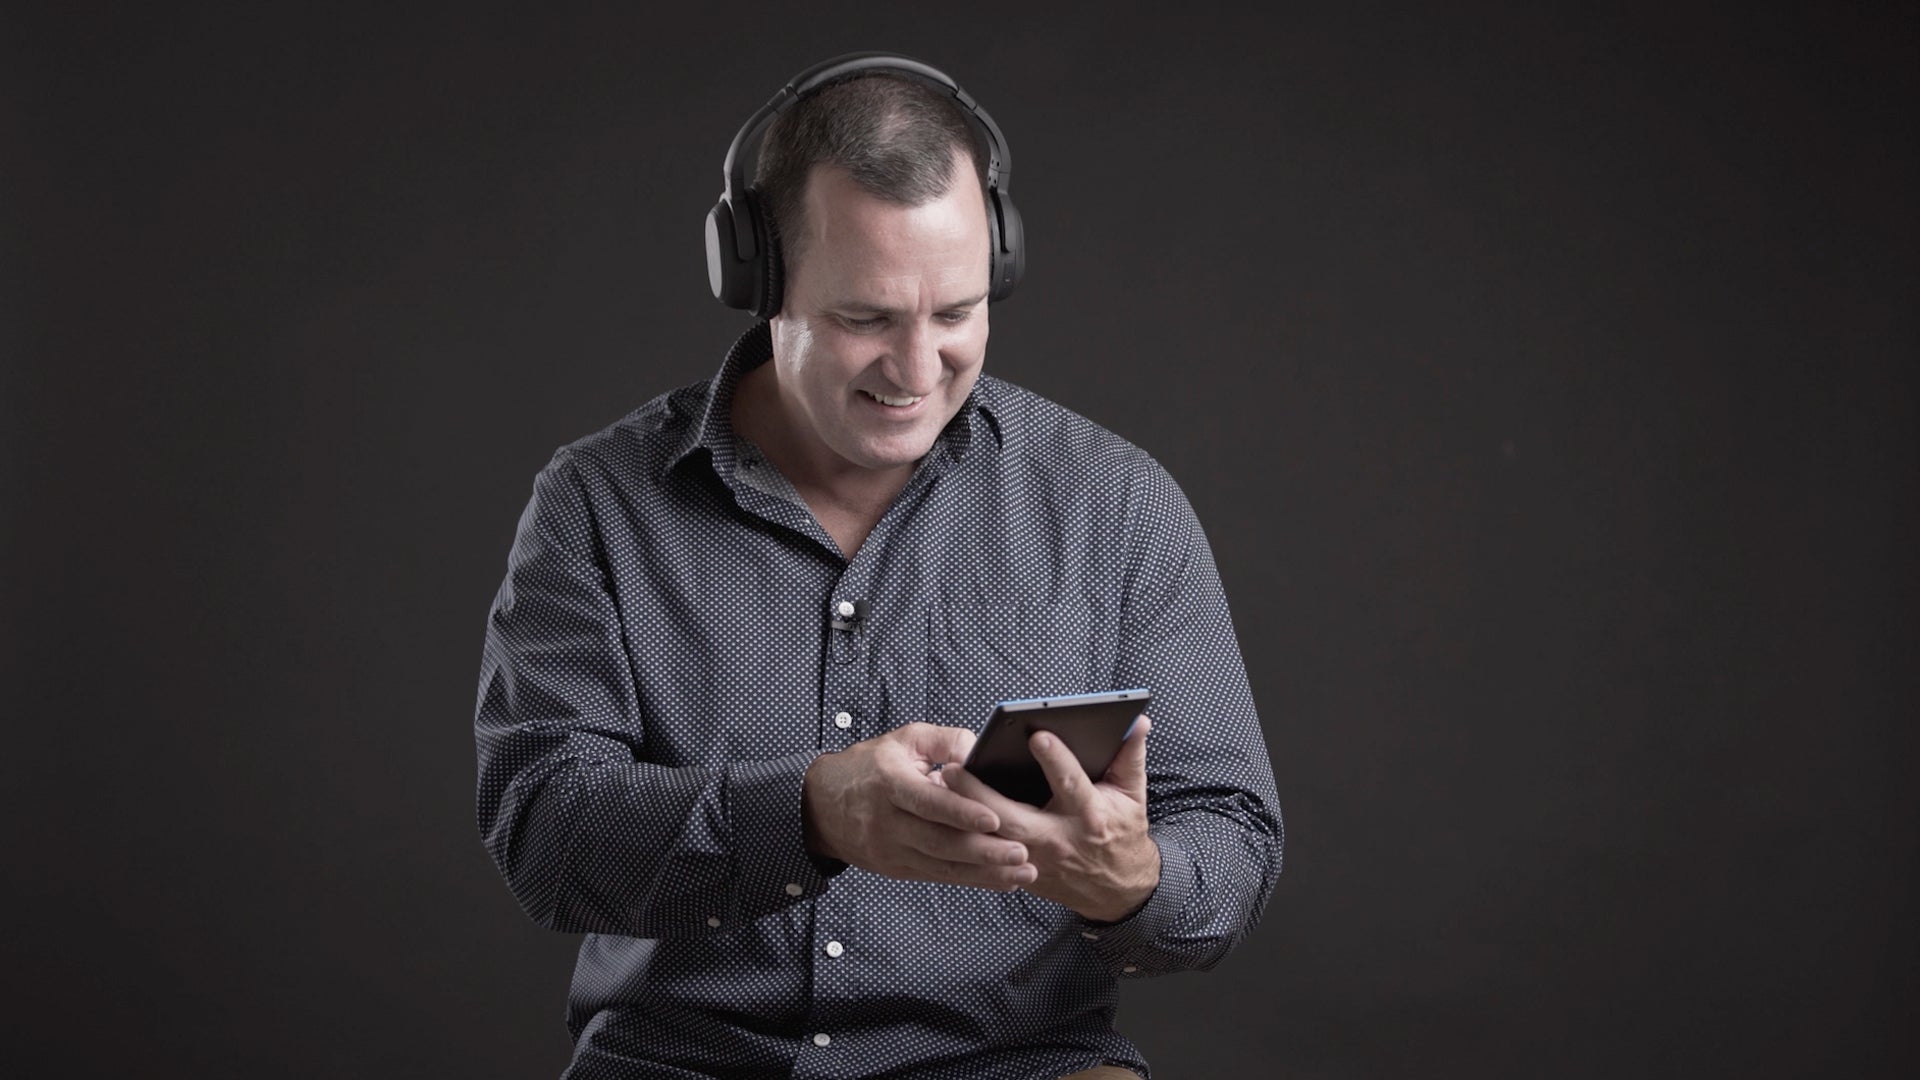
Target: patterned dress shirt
{"points": [[671, 648]]}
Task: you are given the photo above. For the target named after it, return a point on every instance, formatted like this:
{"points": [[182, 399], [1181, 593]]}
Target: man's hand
{"points": [[880, 805], [1090, 842]]}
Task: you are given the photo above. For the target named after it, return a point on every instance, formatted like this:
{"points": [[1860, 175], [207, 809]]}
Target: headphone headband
{"points": [[999, 160]]}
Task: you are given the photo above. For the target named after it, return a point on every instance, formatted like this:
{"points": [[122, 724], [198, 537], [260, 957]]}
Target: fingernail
{"points": [[1044, 740]]}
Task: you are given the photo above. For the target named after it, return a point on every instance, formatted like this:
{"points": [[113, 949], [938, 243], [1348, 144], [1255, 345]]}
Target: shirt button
{"points": [[845, 609], [793, 889], [1130, 969], [1090, 935], [843, 719], [713, 921], [822, 1039], [834, 948]]}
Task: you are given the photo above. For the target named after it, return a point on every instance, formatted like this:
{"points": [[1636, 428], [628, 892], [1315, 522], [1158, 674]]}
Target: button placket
{"points": [[846, 692]]}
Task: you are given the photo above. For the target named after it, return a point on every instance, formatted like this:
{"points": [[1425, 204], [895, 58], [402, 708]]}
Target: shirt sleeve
{"points": [[1210, 792], [590, 836]]}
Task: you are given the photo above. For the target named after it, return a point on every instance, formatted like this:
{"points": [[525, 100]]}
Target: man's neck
{"points": [[846, 499]]}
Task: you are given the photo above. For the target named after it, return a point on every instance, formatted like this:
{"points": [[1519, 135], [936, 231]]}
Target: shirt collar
{"points": [[714, 428]]}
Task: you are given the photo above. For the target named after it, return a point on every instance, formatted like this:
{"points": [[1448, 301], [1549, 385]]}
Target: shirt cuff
{"points": [[773, 868], [1121, 944]]}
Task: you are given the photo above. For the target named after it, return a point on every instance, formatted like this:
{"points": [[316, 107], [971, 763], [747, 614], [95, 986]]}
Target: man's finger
{"points": [[917, 867], [939, 803], [938, 744], [1072, 791], [1129, 769], [959, 846], [1018, 821]]}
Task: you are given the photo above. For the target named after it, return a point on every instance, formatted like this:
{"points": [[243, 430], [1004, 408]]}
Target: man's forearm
{"points": [[610, 846]]}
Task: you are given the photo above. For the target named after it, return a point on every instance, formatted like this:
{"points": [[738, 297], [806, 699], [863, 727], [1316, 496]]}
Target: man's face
{"points": [[883, 326]]}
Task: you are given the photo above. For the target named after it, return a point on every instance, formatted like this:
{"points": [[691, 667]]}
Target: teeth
{"points": [[894, 401]]}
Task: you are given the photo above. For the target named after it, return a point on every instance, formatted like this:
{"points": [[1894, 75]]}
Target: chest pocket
{"points": [[978, 654]]}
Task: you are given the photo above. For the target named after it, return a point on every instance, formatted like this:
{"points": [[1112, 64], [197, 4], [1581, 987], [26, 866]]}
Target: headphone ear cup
{"points": [[732, 279], [1009, 260], [771, 272]]}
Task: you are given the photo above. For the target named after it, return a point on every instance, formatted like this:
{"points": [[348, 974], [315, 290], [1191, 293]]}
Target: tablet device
{"points": [[1091, 725]]}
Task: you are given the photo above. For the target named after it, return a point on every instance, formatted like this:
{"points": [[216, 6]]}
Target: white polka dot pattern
{"points": [[677, 639]]}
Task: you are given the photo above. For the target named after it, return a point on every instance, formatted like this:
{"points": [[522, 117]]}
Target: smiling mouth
{"points": [[892, 402]]}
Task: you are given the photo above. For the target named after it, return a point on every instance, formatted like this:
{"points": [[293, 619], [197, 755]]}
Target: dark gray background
{"points": [[1543, 380]]}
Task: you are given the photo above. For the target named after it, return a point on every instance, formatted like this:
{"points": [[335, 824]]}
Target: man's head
{"points": [[884, 325], [875, 185], [884, 229]]}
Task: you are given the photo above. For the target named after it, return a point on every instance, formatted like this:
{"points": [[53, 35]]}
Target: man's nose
{"points": [[913, 361]]}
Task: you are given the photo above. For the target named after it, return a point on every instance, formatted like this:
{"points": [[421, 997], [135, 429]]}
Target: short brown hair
{"points": [[895, 136]]}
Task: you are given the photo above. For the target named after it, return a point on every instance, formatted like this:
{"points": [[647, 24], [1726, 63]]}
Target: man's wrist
{"points": [[1132, 895], [813, 838], [810, 832]]}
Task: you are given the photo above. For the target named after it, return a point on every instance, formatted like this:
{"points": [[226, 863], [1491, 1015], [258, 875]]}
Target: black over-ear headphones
{"points": [[743, 254]]}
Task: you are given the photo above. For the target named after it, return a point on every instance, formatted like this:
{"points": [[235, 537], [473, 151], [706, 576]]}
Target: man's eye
{"points": [[954, 317], [863, 324]]}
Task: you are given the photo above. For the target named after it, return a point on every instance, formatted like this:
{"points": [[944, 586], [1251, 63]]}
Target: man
{"points": [[746, 633]]}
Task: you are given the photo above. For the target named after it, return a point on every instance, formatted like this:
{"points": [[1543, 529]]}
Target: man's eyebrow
{"points": [[867, 307]]}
